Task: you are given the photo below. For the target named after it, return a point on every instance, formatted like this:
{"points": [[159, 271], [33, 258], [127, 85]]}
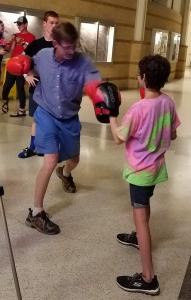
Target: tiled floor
{"points": [[81, 263]]}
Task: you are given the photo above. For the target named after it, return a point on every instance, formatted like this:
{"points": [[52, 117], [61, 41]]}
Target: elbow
{"points": [[173, 136], [118, 141]]}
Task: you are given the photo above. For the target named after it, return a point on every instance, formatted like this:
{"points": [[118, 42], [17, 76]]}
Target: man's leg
{"points": [[43, 177], [38, 218], [64, 173], [20, 82], [8, 84], [30, 150]]}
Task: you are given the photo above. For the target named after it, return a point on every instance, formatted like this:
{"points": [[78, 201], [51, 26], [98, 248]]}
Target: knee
{"points": [[73, 162], [50, 163]]}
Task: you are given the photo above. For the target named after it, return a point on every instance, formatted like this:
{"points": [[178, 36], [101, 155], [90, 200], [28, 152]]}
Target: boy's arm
{"points": [[114, 125], [173, 135]]}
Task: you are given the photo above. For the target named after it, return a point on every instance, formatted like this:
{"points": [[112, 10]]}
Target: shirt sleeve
{"points": [[91, 73], [29, 50], [129, 125]]}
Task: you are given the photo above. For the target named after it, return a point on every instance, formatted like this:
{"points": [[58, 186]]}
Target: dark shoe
{"points": [[128, 239], [27, 152], [42, 223], [19, 113], [67, 182], [137, 284]]}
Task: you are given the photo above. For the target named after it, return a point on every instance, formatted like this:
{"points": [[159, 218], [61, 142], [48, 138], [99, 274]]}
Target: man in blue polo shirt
{"points": [[63, 73]]}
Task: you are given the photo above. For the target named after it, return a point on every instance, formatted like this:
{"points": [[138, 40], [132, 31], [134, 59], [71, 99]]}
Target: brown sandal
{"points": [[5, 107]]}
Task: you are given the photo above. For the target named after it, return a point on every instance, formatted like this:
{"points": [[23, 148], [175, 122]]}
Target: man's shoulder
{"points": [[83, 58], [44, 55], [45, 51]]}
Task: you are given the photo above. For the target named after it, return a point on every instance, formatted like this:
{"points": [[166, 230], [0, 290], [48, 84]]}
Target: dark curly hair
{"points": [[155, 69]]}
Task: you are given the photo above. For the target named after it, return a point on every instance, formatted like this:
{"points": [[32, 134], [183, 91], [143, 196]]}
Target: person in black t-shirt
{"points": [[50, 19]]}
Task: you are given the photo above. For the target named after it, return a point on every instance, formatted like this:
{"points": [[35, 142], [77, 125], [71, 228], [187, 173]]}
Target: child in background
{"points": [[147, 130]]}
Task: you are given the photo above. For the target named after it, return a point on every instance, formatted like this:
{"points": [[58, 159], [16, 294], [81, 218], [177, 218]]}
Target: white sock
{"points": [[37, 210]]}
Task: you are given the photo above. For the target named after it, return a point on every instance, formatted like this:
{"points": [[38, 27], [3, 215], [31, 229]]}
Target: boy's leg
{"points": [[141, 219], [145, 282]]}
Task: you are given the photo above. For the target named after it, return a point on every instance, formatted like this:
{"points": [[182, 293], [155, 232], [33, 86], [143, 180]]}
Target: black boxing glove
{"points": [[112, 97]]}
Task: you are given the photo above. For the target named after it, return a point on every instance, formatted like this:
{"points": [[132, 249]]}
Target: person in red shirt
{"points": [[19, 42]]}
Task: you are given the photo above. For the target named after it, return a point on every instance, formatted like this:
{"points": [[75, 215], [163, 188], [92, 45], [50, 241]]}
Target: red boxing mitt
{"points": [[19, 65], [106, 99]]}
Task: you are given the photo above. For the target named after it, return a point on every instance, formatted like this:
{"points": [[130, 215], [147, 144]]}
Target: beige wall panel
{"points": [[148, 35], [131, 84], [164, 12], [181, 65], [125, 83], [121, 83], [125, 3], [108, 13], [113, 70], [179, 74], [133, 71], [153, 22], [182, 53], [121, 51], [136, 52], [65, 7], [173, 67], [124, 32]]}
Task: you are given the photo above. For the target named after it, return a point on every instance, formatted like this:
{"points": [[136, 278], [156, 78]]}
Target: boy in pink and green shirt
{"points": [[147, 130]]}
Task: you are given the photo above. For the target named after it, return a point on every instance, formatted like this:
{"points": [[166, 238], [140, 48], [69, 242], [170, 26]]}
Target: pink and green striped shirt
{"points": [[146, 130]]}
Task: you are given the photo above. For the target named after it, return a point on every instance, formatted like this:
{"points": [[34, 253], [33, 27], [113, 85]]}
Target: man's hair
{"points": [[50, 13], [156, 70], [1, 22], [65, 32]]}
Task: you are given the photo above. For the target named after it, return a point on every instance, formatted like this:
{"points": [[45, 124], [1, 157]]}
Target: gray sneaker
{"points": [[42, 223], [67, 182]]}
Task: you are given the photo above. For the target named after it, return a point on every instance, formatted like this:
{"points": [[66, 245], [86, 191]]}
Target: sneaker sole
{"points": [[151, 293], [128, 244], [32, 226]]}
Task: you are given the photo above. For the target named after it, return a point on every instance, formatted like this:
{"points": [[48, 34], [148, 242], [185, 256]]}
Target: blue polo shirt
{"points": [[60, 88]]}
